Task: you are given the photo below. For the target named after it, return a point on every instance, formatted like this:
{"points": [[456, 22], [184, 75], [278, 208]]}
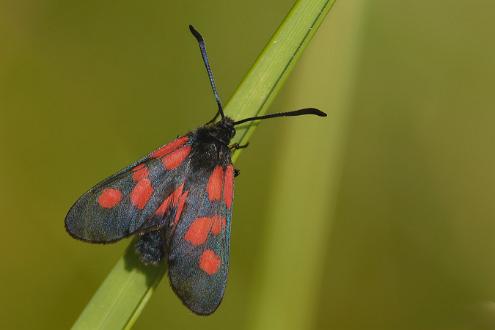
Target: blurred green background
{"points": [[381, 216]]}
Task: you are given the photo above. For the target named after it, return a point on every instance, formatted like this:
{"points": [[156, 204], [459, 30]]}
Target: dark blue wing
{"points": [[199, 242], [136, 199]]}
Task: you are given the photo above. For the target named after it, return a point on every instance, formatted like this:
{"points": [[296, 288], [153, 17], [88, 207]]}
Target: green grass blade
{"points": [[126, 290], [268, 74], [298, 235], [122, 295]]}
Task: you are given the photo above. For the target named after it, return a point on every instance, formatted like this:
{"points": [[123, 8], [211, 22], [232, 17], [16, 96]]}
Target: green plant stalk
{"points": [[298, 235], [268, 74], [126, 290]]}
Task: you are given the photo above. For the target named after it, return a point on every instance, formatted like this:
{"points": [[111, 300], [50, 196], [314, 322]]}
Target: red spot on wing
{"points": [[139, 172], [218, 224], [163, 208], [174, 159], [209, 262], [198, 231], [176, 198], [109, 198], [228, 188], [180, 206], [141, 193], [177, 193], [168, 148], [214, 187]]}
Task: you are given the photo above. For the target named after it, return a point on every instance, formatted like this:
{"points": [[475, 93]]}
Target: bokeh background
{"points": [[381, 216]]}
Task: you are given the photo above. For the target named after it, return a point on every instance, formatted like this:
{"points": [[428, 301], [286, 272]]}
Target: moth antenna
{"points": [[202, 47], [301, 112]]}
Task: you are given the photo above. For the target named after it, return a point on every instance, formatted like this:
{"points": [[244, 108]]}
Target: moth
{"points": [[178, 202]]}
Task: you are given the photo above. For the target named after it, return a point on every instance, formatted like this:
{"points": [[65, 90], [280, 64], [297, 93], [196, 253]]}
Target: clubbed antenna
{"points": [[202, 47], [301, 112]]}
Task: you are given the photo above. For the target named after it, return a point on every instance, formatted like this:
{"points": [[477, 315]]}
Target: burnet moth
{"points": [[178, 201]]}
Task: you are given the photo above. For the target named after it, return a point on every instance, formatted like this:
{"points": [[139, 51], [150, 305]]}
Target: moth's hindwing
{"points": [[136, 199]]}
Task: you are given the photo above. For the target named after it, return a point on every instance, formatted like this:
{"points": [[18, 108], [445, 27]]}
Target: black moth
{"points": [[178, 201]]}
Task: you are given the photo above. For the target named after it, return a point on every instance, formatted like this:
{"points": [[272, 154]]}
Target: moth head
{"points": [[223, 130]]}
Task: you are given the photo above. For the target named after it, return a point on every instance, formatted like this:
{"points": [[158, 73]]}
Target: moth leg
{"points": [[236, 172], [236, 146], [150, 247]]}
